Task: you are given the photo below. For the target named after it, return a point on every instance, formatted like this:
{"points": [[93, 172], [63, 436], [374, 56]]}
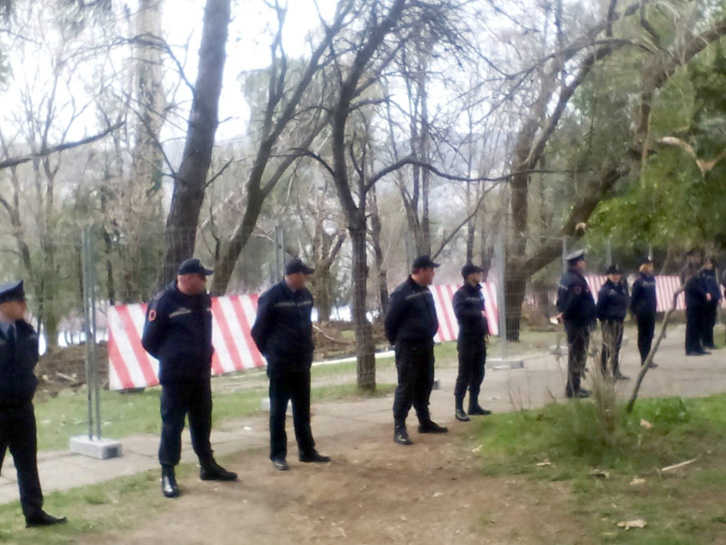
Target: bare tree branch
{"points": [[56, 149]]}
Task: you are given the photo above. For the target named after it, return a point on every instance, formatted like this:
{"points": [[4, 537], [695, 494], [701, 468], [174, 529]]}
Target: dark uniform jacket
{"points": [[644, 301], [710, 285], [574, 299], [468, 308], [17, 363], [178, 332], [283, 329], [612, 301], [411, 314], [695, 288]]}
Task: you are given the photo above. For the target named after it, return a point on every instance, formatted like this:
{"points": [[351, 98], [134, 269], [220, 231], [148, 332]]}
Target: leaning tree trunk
{"points": [[363, 330], [189, 185], [321, 289]]}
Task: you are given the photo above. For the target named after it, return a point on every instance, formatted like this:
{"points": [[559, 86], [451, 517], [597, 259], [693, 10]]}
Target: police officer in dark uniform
{"points": [[643, 305], [473, 332], [612, 307], [283, 331], [577, 311], [411, 324], [710, 313], [178, 332], [18, 357], [696, 299]]}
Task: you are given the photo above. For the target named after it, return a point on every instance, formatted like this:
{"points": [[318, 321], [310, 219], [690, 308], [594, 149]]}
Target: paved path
{"points": [[540, 381]]}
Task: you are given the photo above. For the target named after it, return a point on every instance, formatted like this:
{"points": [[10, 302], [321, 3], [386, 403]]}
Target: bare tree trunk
{"points": [[321, 289], [470, 228], [366, 365], [190, 182], [381, 279], [425, 248]]}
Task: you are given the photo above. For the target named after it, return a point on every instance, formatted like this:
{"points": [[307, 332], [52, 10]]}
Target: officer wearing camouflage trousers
{"points": [[577, 310]]}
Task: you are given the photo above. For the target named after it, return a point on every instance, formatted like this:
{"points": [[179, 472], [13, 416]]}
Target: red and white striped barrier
{"points": [[665, 288], [130, 366], [448, 326]]}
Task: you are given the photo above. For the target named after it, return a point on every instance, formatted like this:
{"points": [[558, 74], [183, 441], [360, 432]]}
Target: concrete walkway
{"points": [[540, 381]]}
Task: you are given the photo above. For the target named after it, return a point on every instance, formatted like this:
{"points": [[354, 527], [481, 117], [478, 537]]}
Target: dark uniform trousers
{"points": [[18, 433], [472, 356], [578, 340], [646, 330], [286, 386], [710, 315], [179, 398], [415, 366], [612, 340], [694, 327]]}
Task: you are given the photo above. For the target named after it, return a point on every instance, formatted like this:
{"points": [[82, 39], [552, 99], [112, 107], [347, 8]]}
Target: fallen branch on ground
{"points": [[677, 466], [331, 339], [653, 350]]}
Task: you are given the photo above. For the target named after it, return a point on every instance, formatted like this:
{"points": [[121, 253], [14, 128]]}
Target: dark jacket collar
{"points": [[415, 285], [473, 288], [576, 271], [181, 296], [287, 290]]}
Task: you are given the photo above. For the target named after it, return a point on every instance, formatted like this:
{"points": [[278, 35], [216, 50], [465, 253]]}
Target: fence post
{"points": [[504, 361], [89, 335], [93, 446], [501, 294]]}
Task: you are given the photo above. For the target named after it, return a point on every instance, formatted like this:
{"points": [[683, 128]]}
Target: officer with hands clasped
{"points": [[178, 332]]}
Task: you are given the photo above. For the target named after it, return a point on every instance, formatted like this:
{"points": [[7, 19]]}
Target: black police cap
{"points": [[646, 261], [12, 291], [470, 268], [614, 269], [424, 262], [295, 266], [194, 266]]}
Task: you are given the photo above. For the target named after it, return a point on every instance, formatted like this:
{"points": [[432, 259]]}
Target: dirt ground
{"points": [[65, 367], [373, 492]]}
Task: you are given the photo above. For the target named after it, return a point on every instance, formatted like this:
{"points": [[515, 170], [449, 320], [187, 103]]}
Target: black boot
{"points": [[431, 427], [280, 464], [583, 394], [400, 434], [459, 413], [41, 518], [168, 482], [212, 471], [477, 410], [314, 458]]}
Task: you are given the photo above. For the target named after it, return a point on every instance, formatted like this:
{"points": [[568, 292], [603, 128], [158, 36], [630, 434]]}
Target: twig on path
{"points": [[677, 466]]}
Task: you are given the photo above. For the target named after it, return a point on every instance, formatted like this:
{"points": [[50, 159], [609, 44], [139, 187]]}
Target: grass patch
{"points": [[112, 505], [566, 441], [123, 415], [66, 415]]}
